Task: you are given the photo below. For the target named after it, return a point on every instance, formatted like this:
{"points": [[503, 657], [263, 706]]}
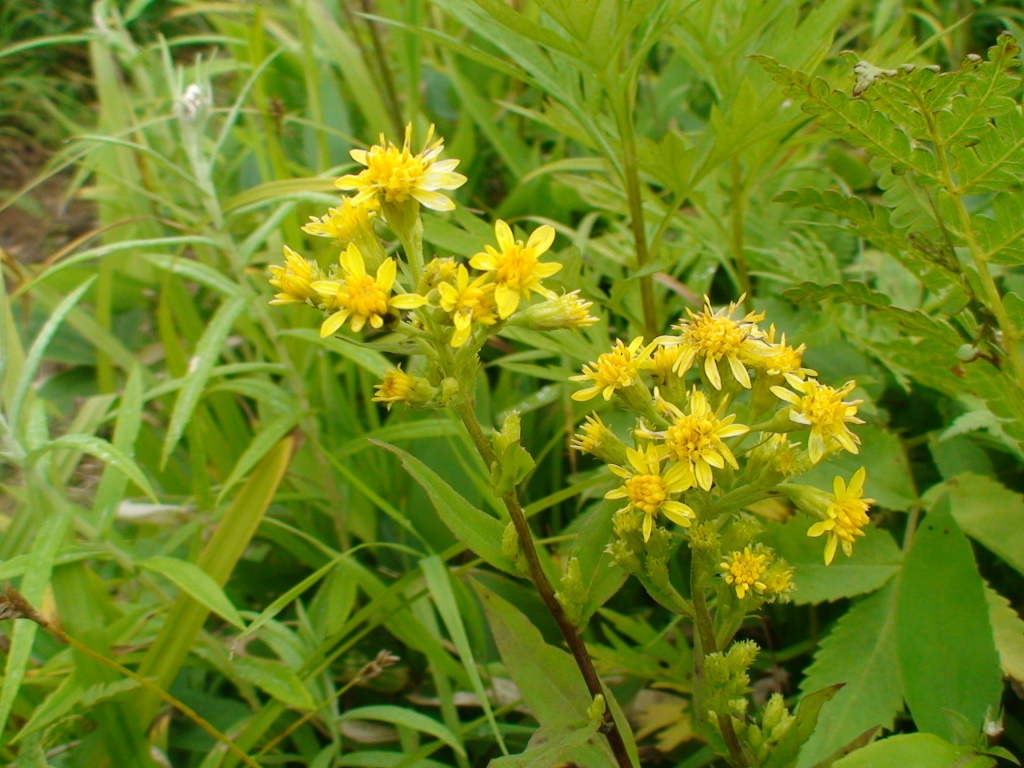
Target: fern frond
{"points": [[855, 121]]}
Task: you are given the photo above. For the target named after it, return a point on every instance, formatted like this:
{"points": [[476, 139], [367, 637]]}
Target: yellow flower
{"points": [[467, 303], [822, 409], [846, 515], [714, 336], [346, 223], [396, 175], [663, 361], [565, 311], [744, 570], [517, 269], [777, 359], [779, 583], [439, 270], [696, 438], [363, 298], [397, 386], [650, 491], [593, 432], [295, 279], [613, 370]]}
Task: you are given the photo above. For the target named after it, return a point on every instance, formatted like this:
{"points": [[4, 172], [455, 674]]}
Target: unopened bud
{"points": [[566, 311]]}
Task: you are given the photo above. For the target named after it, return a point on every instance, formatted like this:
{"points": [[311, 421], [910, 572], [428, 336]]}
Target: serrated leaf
{"points": [[860, 651], [1008, 630], [947, 652], [196, 583], [480, 532], [876, 559]]}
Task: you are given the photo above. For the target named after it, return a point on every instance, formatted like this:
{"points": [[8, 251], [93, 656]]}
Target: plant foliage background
{"points": [[189, 486]]}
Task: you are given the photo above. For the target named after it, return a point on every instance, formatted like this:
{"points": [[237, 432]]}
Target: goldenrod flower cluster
{"points": [[442, 302], [726, 415]]}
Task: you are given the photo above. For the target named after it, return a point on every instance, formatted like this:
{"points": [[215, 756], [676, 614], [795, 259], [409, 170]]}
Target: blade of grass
{"points": [[218, 558]]}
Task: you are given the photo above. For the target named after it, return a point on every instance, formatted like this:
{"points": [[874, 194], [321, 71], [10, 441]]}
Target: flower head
{"points": [[516, 268], [650, 491], [295, 279], [613, 370], [744, 570], [846, 515], [593, 432], [695, 438], [360, 297], [663, 360], [565, 311], [822, 409], [439, 270], [715, 336], [394, 175], [397, 386], [777, 359], [345, 223], [594, 437], [467, 303]]}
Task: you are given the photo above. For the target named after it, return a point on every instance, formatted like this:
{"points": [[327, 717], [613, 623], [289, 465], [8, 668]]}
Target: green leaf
{"points": [[100, 449], [369, 359], [274, 678], [556, 744], [407, 718], [218, 559], [547, 677], [875, 560], [800, 731], [914, 750], [196, 583], [480, 532], [206, 355], [34, 357], [197, 272], [438, 582], [1008, 629], [860, 651], [600, 579], [270, 435], [947, 653], [44, 550], [988, 512]]}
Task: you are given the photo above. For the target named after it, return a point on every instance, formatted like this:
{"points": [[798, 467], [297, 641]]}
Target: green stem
{"points": [[631, 177], [540, 580], [706, 643], [737, 213]]}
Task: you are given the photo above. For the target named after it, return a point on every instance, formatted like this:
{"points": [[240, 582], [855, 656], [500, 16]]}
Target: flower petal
{"points": [[333, 323], [503, 234], [433, 200], [541, 239]]}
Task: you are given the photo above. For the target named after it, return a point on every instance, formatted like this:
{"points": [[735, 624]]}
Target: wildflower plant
{"points": [[724, 416]]}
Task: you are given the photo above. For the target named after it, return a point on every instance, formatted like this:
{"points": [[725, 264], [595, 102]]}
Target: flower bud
{"points": [[594, 437], [573, 594], [565, 311], [397, 386]]}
